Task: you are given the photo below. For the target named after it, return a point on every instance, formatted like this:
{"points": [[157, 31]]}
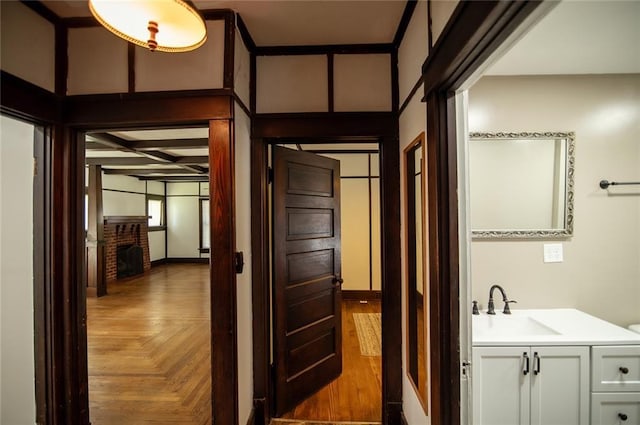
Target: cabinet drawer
{"points": [[615, 368], [615, 408]]}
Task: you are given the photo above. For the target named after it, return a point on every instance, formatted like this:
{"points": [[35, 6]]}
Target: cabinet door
{"points": [[501, 385], [615, 408], [559, 385]]}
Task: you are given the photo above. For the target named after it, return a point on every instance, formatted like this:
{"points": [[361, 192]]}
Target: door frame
{"points": [[476, 32], [335, 128]]}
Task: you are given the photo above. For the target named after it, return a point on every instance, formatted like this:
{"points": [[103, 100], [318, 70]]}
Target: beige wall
{"points": [[242, 125], [601, 270], [27, 45], [17, 387], [300, 83], [98, 64]]}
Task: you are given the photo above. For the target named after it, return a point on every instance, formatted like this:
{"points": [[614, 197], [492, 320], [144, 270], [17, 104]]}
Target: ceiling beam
{"points": [[176, 178], [143, 171], [141, 160], [129, 146], [171, 143]]}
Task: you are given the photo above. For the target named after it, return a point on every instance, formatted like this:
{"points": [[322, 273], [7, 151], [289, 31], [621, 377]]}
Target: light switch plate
{"points": [[553, 253]]}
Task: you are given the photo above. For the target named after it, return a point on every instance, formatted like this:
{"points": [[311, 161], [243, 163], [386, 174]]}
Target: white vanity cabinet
{"points": [[615, 385], [530, 385]]}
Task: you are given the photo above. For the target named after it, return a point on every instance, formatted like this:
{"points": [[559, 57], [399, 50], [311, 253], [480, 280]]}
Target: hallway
{"points": [[357, 394], [149, 351]]}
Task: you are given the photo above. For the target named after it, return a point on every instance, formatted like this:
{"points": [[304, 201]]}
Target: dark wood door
{"points": [[307, 275]]}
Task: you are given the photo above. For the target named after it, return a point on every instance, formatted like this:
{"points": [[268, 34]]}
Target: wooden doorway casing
{"points": [[334, 128]]}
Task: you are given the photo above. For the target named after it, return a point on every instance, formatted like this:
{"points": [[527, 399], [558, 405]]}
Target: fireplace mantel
{"points": [[127, 219]]}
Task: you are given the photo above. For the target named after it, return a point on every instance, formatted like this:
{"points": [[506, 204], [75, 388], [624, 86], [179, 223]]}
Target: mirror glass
{"points": [[521, 184], [417, 299]]}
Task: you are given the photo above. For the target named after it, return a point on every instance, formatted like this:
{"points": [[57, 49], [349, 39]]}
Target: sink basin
{"points": [[509, 325]]}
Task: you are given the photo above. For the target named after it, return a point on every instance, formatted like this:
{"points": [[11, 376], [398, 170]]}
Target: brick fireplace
{"points": [[128, 233]]}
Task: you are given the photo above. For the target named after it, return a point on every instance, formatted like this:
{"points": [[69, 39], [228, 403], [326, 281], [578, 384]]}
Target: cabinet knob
{"points": [[622, 416], [624, 370]]}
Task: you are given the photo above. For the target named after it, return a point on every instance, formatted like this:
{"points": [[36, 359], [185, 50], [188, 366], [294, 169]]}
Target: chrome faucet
{"points": [[491, 307]]}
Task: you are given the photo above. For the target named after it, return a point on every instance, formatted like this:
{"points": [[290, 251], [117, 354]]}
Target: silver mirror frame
{"points": [[563, 233]]}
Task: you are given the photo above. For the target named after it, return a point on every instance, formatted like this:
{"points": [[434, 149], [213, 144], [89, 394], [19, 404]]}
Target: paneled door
{"points": [[307, 275]]}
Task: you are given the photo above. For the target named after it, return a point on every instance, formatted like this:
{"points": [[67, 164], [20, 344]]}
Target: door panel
{"points": [[307, 268]]}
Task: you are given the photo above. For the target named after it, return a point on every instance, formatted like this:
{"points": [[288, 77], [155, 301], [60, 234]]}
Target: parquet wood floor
{"points": [[149, 349], [357, 394]]}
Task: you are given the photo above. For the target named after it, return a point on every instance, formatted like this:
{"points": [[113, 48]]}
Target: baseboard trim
{"points": [[349, 294], [179, 260]]}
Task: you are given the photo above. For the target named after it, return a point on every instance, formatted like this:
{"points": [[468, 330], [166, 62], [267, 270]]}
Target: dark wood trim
{"points": [[473, 33], [188, 160], [61, 59], [199, 178], [391, 286], [330, 84], [80, 22], [96, 271], [353, 294], [172, 260], [158, 262], [242, 105], [245, 34], [403, 419], [224, 358], [409, 98], [147, 109], [229, 50], [251, 420], [479, 27], [143, 171], [69, 333], [131, 68], [42, 10], [24, 100], [216, 14], [352, 49], [41, 273], [261, 310], [370, 209], [404, 22], [252, 83], [330, 125], [395, 85]]}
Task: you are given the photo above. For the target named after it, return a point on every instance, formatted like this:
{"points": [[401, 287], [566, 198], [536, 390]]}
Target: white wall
{"points": [[441, 11], [242, 125], [17, 386], [242, 70], [27, 45], [98, 63], [362, 82], [601, 270], [411, 55], [183, 220]]}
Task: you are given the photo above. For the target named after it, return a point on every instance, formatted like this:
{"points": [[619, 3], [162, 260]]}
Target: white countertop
{"points": [[564, 326]]}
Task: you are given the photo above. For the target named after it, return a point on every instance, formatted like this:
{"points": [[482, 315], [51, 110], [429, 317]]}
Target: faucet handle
{"points": [[474, 309], [507, 310]]}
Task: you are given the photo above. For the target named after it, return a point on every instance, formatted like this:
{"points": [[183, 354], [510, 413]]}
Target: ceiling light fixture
{"points": [[162, 25]]}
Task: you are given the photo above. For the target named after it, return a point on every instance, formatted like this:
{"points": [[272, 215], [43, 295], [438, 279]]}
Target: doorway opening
{"points": [[339, 283], [148, 279]]}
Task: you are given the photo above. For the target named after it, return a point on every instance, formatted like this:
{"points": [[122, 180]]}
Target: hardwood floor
{"points": [[149, 349], [357, 394]]}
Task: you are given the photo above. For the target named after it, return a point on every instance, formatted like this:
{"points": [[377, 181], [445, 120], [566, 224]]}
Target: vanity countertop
{"points": [[563, 326]]}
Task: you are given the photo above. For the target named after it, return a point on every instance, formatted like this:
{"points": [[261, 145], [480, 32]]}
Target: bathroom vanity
{"points": [[552, 367]]}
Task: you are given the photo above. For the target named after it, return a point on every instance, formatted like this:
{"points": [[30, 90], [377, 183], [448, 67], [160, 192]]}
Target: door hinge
{"points": [[270, 175], [465, 369]]}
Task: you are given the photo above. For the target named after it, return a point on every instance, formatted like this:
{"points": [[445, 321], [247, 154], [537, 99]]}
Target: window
{"points": [[155, 212], [205, 233]]}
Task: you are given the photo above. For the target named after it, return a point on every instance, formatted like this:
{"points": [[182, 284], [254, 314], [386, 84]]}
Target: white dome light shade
{"points": [[163, 25]]}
